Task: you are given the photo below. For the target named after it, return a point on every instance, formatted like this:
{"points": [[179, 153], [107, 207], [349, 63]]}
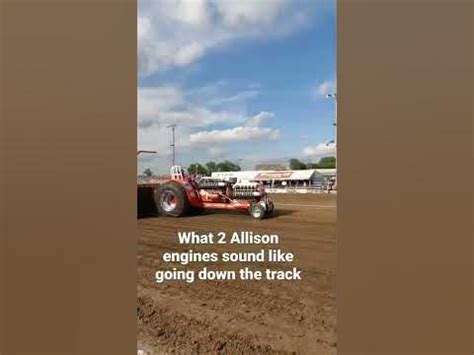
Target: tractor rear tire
{"points": [[171, 200], [257, 211]]}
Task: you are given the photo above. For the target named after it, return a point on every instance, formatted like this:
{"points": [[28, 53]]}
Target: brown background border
{"points": [[68, 160], [68, 139], [404, 277]]}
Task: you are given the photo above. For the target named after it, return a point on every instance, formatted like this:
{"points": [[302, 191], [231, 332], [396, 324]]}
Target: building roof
{"points": [[327, 172]]}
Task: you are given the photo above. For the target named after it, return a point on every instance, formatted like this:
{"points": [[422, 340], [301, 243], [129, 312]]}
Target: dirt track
{"points": [[237, 317]]}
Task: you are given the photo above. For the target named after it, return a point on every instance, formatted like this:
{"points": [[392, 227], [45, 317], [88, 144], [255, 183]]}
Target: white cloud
{"points": [[240, 96], [192, 12], [195, 145], [188, 53], [176, 33], [250, 130], [160, 106], [324, 88], [258, 119], [166, 105], [217, 152], [320, 150], [249, 12]]}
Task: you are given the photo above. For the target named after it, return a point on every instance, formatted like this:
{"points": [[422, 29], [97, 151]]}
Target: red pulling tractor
{"points": [[183, 193]]}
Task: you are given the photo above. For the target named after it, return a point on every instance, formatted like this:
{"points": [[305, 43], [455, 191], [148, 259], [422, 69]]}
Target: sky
{"points": [[243, 80]]}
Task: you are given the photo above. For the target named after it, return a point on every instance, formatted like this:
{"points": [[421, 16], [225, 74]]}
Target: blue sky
{"points": [[244, 80]]}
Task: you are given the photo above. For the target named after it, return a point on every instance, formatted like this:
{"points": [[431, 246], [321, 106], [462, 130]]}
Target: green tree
{"points": [[147, 172], [227, 166], [198, 169], [327, 163], [295, 164], [327, 160], [324, 163], [211, 167]]}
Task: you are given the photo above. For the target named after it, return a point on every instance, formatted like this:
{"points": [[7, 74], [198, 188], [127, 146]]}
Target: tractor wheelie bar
{"points": [[183, 194]]}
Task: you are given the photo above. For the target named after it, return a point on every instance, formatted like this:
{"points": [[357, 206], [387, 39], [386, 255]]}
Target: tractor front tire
{"points": [[171, 200], [257, 211]]}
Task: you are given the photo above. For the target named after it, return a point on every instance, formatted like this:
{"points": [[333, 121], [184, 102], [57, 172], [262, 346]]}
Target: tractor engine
{"points": [[214, 184], [246, 190], [215, 190], [211, 186], [243, 190]]}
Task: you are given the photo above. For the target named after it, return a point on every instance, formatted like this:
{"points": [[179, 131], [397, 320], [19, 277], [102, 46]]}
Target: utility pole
{"points": [[173, 144], [334, 96]]}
